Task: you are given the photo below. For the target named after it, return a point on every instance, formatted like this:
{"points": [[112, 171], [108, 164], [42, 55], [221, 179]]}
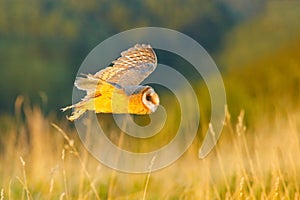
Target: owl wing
{"points": [[134, 65], [130, 69]]}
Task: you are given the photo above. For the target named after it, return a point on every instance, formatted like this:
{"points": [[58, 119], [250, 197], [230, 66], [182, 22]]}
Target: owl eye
{"points": [[148, 97]]}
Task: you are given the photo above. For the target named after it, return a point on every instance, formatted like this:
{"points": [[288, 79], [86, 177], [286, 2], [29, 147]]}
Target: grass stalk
{"points": [[85, 155], [220, 161], [66, 188], [2, 194], [148, 178], [114, 172], [24, 181], [74, 151]]}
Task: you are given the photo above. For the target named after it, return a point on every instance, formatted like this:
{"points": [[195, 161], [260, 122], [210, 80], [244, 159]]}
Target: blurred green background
{"points": [[256, 46]]}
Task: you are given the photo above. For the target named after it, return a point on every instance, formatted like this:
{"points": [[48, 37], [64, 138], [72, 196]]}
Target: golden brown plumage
{"points": [[115, 89]]}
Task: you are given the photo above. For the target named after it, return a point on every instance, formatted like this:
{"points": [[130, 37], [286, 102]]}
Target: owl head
{"points": [[150, 99], [143, 99]]}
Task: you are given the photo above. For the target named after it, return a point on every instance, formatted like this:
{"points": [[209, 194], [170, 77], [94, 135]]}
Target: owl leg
{"points": [[67, 108], [80, 108], [76, 114]]}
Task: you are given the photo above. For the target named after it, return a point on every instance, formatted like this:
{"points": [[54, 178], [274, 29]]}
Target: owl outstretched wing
{"points": [[134, 65]]}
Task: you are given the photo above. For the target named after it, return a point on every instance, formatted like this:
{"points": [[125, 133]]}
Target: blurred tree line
{"points": [[42, 43], [262, 59]]}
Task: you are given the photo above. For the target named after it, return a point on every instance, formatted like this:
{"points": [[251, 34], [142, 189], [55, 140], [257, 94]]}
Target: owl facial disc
{"points": [[150, 99]]}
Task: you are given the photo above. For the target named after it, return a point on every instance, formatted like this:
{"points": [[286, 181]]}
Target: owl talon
{"points": [[67, 108], [76, 114]]}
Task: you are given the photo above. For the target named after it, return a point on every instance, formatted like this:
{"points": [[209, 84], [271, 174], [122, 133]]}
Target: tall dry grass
{"points": [[42, 158]]}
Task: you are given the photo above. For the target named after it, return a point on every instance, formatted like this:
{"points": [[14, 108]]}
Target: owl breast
{"points": [[133, 100]]}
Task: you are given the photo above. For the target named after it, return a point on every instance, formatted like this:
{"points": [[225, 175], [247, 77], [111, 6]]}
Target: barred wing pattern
{"points": [[134, 65]]}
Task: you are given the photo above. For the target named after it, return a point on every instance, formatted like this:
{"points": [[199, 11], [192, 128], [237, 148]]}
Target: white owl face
{"points": [[150, 99]]}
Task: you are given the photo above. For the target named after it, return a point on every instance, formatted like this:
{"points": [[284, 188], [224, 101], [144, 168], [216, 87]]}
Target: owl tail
{"points": [[79, 108], [88, 83]]}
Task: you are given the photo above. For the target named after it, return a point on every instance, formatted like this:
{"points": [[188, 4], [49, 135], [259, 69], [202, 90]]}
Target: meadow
{"points": [[44, 159], [256, 157]]}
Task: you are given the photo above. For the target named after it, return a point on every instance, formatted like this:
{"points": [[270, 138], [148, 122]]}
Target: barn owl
{"points": [[116, 88]]}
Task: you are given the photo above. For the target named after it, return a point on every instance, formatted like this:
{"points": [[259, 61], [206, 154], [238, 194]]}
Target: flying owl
{"points": [[116, 88]]}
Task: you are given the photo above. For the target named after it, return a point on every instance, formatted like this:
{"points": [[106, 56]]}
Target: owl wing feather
{"points": [[134, 65]]}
